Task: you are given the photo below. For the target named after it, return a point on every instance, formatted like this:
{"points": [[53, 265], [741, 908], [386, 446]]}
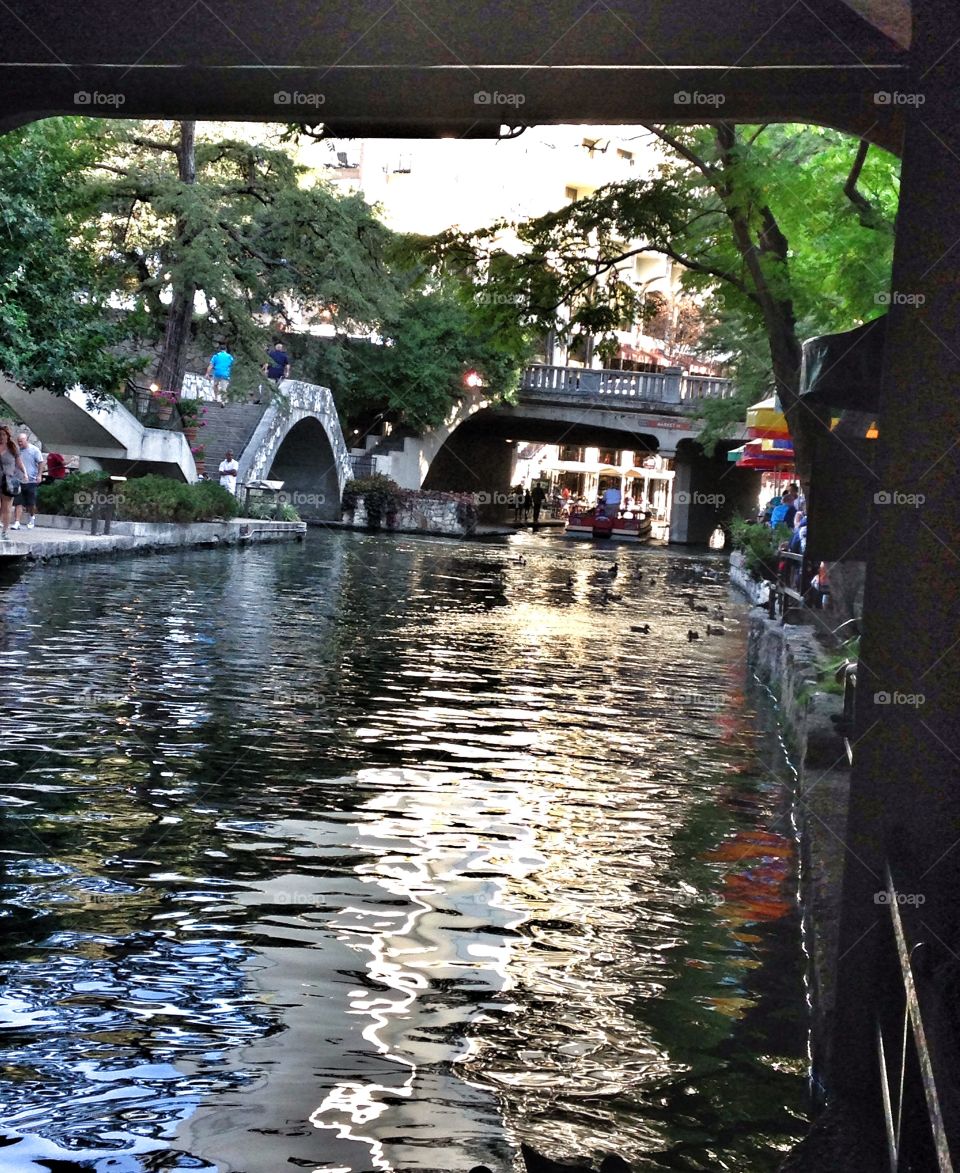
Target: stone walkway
{"points": [[69, 537]]}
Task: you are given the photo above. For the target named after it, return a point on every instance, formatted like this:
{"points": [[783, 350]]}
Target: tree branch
{"points": [[868, 215]]}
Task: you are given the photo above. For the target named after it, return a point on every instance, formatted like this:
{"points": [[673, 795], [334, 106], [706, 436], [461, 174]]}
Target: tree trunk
{"points": [[176, 337]]}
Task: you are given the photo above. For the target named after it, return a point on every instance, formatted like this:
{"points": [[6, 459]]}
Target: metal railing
{"points": [[788, 591], [916, 1040]]}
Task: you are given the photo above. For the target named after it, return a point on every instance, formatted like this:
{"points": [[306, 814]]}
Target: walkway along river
{"points": [[383, 854]]}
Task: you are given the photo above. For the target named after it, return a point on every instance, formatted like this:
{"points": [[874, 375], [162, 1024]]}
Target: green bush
{"points": [[149, 498], [760, 545], [264, 508], [382, 496]]}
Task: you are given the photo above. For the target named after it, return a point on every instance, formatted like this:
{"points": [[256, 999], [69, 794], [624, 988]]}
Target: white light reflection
{"points": [[435, 858]]}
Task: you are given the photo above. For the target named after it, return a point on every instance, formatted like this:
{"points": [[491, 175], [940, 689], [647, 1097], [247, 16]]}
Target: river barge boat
{"points": [[628, 526]]}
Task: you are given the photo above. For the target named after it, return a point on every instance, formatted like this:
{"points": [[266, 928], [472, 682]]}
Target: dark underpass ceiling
{"points": [[430, 67]]}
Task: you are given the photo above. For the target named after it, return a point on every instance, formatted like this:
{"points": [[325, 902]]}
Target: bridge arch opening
{"points": [[306, 464]]}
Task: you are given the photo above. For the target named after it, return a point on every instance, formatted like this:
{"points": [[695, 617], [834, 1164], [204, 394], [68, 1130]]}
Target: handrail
{"points": [[666, 385], [918, 1039], [782, 593]]}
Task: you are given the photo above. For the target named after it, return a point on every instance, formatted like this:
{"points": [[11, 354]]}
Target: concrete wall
{"points": [[708, 491], [106, 432]]}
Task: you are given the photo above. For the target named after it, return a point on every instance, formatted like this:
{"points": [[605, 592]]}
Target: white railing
{"points": [[669, 385], [694, 387]]}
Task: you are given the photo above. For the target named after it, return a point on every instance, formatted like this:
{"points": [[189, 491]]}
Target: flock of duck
{"points": [[535, 1162], [607, 595]]}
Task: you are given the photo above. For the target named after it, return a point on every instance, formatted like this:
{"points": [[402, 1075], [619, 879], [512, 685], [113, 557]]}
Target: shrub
{"points": [[759, 544], [149, 498], [381, 495]]}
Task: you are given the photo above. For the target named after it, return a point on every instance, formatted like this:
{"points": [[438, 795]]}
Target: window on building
{"points": [[610, 456], [571, 452], [572, 193]]}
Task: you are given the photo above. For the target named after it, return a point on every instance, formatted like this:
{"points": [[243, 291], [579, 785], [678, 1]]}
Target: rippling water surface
{"points": [[357, 856]]}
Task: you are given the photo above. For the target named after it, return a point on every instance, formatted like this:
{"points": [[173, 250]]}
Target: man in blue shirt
{"points": [[784, 513], [219, 368]]}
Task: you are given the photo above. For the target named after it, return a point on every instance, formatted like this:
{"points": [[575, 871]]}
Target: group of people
{"points": [[220, 370], [525, 500], [22, 469], [788, 509]]}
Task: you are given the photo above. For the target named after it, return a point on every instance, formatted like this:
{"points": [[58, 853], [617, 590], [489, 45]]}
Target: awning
{"points": [[843, 370], [652, 474], [763, 454], [765, 420]]}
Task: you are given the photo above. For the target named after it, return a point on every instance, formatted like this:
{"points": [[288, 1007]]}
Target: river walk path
{"points": [[70, 537]]}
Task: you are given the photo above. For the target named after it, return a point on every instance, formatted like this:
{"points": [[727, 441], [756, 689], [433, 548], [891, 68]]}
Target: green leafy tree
{"points": [[416, 374], [56, 326], [232, 224], [784, 231]]}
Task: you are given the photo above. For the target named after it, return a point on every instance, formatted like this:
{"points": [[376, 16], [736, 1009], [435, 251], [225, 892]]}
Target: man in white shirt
{"points": [[228, 472], [32, 459]]}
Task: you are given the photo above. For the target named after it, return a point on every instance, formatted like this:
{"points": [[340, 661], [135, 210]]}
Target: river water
{"points": [[385, 854]]}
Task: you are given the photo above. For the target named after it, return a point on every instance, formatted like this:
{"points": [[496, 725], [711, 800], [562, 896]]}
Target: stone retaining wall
{"points": [[788, 660], [423, 513]]}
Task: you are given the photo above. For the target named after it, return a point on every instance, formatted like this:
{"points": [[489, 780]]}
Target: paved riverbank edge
{"points": [[786, 658], [70, 537]]}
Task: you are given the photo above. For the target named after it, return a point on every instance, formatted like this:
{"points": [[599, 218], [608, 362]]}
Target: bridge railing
{"points": [[668, 385]]}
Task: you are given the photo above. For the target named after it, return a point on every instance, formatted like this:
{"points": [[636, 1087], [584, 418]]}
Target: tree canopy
{"points": [[56, 325], [783, 232]]}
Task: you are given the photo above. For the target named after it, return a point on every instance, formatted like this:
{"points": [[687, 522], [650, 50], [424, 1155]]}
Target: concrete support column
{"points": [[679, 503], [905, 793]]}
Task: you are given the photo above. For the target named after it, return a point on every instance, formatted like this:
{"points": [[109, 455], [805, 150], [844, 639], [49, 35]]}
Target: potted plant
{"points": [[192, 414], [162, 402], [199, 452]]}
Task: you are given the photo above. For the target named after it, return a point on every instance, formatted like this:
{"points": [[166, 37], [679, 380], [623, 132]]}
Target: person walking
{"points": [[11, 470], [219, 369], [32, 459], [538, 496], [517, 502], [228, 471], [527, 502]]}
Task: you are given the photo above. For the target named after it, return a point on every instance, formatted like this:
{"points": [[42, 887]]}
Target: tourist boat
{"points": [[630, 525]]}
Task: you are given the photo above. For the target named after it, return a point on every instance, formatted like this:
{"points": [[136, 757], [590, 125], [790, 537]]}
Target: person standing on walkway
{"points": [[219, 369], [276, 368], [228, 471], [527, 502], [32, 459], [11, 471], [517, 502], [538, 496]]}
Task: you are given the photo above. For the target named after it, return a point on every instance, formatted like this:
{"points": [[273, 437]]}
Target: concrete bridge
{"points": [[474, 450]]}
